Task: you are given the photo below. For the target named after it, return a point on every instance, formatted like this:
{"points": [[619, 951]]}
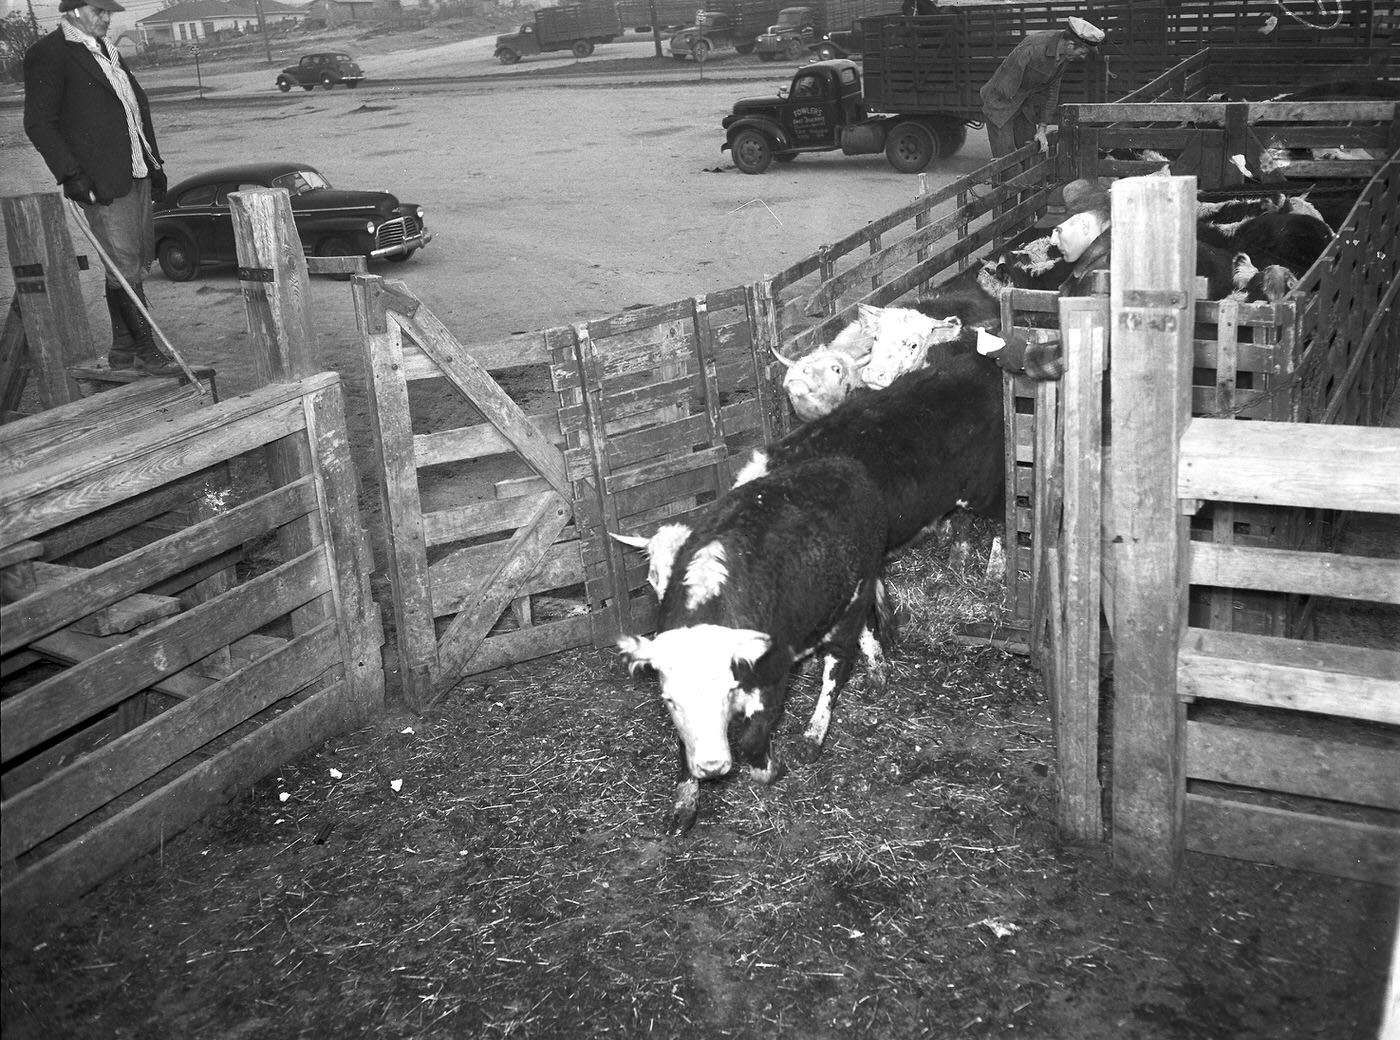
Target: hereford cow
{"points": [[899, 340], [778, 568], [817, 382], [931, 441]]}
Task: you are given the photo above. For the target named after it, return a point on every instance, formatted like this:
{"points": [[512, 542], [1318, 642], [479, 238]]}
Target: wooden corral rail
{"points": [[501, 524], [133, 705], [1251, 744]]}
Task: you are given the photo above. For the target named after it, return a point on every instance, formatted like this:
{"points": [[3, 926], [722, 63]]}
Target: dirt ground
{"points": [[496, 867]]}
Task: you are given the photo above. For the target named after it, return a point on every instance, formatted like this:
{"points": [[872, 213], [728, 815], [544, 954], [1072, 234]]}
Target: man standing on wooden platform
{"points": [[91, 122], [1024, 92]]}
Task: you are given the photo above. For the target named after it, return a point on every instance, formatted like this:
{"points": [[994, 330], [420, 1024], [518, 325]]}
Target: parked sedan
{"points": [[194, 227], [325, 69]]}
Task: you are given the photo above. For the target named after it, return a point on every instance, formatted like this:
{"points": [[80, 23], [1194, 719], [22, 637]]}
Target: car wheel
{"points": [[752, 151], [179, 261], [825, 52], [327, 80], [284, 84], [335, 246], [582, 48], [911, 147], [506, 56], [700, 50]]}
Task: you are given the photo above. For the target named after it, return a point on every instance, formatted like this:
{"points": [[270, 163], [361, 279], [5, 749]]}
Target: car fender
{"points": [[770, 127]]}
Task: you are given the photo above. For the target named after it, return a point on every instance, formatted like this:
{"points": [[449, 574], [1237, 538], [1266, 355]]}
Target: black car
{"points": [[194, 227], [326, 69]]}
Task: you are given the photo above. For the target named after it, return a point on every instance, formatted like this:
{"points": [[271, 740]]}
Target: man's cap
{"points": [[101, 5], [1081, 30]]}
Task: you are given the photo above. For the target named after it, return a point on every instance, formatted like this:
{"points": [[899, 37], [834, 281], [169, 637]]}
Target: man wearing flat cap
{"points": [[1024, 92], [91, 122]]}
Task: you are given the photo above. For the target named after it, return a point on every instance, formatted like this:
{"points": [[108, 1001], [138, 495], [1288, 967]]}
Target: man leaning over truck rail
{"points": [[1024, 92]]}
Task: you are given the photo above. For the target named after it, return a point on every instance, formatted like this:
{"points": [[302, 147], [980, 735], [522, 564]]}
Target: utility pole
{"points": [[262, 28]]}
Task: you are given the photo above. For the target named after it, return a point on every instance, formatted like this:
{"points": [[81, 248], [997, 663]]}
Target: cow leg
{"points": [[877, 636], [687, 804], [836, 669]]}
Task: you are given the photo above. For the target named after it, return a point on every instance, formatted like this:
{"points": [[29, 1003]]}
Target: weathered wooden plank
{"points": [[94, 780], [1299, 840], [1283, 570], [405, 541], [456, 576], [463, 443], [1294, 763], [1349, 681], [68, 872], [57, 492], [281, 335], [113, 618], [56, 330], [1152, 304], [1292, 464], [54, 705]]}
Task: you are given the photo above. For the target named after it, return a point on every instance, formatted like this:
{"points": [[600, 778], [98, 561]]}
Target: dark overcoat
{"points": [[75, 118]]}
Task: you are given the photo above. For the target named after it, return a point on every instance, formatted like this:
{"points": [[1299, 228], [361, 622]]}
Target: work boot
{"points": [[122, 354], [146, 356]]}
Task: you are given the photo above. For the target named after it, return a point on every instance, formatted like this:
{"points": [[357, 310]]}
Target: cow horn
{"points": [[785, 361]]}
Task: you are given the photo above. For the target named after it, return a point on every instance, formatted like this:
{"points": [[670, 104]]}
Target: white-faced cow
{"points": [[776, 569], [661, 549], [817, 382], [931, 441], [900, 340]]}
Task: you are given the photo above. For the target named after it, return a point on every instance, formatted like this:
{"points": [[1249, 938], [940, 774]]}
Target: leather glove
{"points": [[79, 188], [159, 184]]}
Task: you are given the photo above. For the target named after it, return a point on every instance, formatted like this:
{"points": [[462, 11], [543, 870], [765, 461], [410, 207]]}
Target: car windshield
{"points": [[299, 182]]}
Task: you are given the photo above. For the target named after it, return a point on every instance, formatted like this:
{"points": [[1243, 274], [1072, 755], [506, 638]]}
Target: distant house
{"points": [[343, 12], [196, 20]]}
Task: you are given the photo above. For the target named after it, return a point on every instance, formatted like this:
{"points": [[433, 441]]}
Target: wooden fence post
{"points": [[56, 328], [276, 286], [1076, 612], [1153, 308]]}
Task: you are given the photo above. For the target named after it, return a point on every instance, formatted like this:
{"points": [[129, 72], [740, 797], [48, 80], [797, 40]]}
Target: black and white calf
{"points": [[931, 443], [778, 568]]}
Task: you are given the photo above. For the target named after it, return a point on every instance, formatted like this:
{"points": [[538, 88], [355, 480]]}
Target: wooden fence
{"points": [[184, 585], [1230, 732]]}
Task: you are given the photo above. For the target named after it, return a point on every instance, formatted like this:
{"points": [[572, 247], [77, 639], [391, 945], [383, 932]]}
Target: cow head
{"points": [[817, 383], [700, 668], [661, 549], [902, 339]]}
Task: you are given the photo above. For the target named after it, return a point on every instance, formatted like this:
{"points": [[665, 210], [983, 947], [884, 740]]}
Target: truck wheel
{"points": [[700, 50], [582, 48], [825, 52], [911, 147], [506, 56], [792, 49], [951, 139], [752, 151]]}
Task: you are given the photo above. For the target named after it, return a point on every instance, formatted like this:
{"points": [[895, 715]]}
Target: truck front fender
{"points": [[770, 128]]}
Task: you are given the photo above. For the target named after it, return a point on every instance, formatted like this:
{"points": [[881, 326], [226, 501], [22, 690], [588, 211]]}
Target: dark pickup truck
{"points": [[823, 110]]}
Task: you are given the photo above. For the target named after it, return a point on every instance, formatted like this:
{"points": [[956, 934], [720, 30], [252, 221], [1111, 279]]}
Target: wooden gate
{"points": [[506, 464]]}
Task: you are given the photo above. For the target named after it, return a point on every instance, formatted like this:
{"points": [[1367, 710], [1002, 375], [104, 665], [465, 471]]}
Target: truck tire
{"points": [[752, 151], [506, 56], [582, 48], [700, 50], [793, 49], [951, 138], [911, 147]]}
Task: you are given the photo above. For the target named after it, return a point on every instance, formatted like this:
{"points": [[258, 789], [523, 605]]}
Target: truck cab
{"points": [[796, 28], [822, 110]]}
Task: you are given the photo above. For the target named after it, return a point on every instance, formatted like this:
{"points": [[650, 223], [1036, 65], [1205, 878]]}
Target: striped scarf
{"points": [[121, 83]]}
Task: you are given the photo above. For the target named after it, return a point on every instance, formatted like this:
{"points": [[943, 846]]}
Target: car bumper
{"points": [[408, 245]]}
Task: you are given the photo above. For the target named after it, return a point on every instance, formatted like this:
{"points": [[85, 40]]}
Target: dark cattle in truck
{"points": [[784, 566], [931, 442]]}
